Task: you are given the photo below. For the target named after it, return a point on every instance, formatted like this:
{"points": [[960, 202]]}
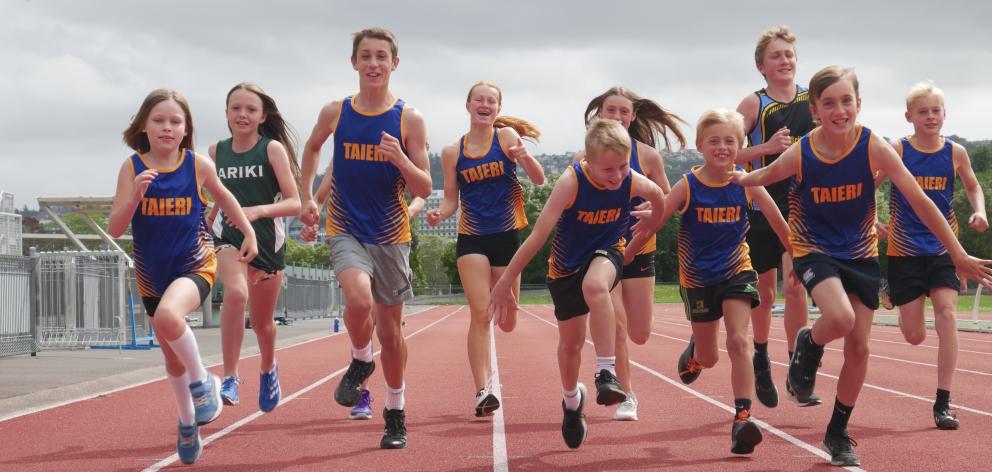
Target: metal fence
{"points": [[73, 300]]}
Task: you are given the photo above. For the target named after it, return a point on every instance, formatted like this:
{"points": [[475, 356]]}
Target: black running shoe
{"points": [[395, 435], [944, 419], [349, 391], [804, 364], [812, 400], [689, 369], [573, 426], [841, 449], [764, 388], [608, 391], [744, 434], [485, 402]]}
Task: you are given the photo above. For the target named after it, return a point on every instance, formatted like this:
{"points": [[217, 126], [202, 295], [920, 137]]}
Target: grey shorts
{"points": [[388, 265]]}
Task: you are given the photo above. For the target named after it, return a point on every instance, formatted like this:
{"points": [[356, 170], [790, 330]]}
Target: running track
{"points": [[680, 427]]}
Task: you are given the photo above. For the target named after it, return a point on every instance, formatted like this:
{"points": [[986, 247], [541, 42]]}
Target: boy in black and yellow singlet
{"points": [[159, 194], [919, 265], [648, 124], [715, 274], [588, 210], [380, 149], [776, 116], [480, 172], [832, 219], [258, 165]]}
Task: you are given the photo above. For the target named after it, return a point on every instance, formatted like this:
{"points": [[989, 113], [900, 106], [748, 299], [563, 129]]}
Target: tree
{"points": [[431, 259], [300, 254], [535, 196]]}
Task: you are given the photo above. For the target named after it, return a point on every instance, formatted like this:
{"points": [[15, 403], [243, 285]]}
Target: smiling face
{"points": [[619, 108], [483, 105], [778, 63], [165, 127], [719, 144], [607, 167], [837, 107], [245, 112], [926, 113], [374, 62]]}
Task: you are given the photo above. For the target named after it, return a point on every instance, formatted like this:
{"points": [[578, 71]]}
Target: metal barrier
{"points": [[309, 292], [16, 337]]}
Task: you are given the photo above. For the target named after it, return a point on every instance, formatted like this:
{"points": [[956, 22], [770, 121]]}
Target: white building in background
{"points": [[10, 226], [447, 229]]}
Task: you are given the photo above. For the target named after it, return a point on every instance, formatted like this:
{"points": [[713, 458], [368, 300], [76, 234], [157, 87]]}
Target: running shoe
{"points": [[841, 449], [206, 399], [394, 436], [349, 392], [485, 402], [627, 409], [608, 391], [363, 410], [744, 434], [573, 425], [229, 390], [944, 419], [269, 391], [689, 369], [804, 364], [764, 388], [188, 445]]}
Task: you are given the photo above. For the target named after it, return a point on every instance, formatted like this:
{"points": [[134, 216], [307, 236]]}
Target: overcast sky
{"points": [[74, 72]]}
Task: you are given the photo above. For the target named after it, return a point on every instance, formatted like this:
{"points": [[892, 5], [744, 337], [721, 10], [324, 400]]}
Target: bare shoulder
{"points": [[749, 106], [212, 151]]}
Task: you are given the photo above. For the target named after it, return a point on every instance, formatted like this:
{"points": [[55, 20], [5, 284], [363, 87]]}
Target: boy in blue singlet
{"points": [[380, 148], [588, 210]]}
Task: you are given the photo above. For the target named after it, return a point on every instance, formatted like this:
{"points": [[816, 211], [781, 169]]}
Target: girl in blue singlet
{"points": [[588, 211], [159, 194], [258, 165], [715, 273], [832, 216], [918, 264], [480, 170], [646, 121]]}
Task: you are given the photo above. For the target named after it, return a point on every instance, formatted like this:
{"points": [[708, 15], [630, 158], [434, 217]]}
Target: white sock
{"points": [[608, 363], [364, 354], [572, 398], [189, 354], [394, 397], [184, 399]]}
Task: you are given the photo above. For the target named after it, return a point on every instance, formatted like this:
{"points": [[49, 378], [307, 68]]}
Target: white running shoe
{"points": [[627, 410]]}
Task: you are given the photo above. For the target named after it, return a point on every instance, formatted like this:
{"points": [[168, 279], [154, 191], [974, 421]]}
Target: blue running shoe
{"points": [[269, 391], [206, 399], [363, 410], [229, 390], [188, 445]]}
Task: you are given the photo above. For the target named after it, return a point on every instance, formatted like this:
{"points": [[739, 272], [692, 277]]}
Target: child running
{"points": [[380, 148], [258, 165], [644, 120], [481, 169], [588, 209], [776, 116], [919, 265], [832, 223], [715, 272], [160, 194]]}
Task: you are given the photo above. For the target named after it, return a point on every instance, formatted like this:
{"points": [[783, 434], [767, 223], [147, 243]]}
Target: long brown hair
{"points": [[275, 126], [135, 136], [524, 128], [650, 118]]}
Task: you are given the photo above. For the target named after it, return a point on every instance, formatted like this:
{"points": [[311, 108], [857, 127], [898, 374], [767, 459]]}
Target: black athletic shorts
{"points": [[706, 303], [498, 247], [566, 292], [641, 266], [151, 303], [861, 277], [765, 248], [911, 277]]}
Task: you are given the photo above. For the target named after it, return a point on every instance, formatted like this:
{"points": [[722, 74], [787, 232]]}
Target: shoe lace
{"points": [[233, 380], [742, 417], [354, 373], [845, 443], [395, 423], [187, 441], [692, 367]]}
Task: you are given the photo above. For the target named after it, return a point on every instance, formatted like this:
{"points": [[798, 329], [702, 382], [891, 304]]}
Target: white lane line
{"points": [[248, 419], [868, 385], [778, 432], [894, 359], [500, 460]]}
